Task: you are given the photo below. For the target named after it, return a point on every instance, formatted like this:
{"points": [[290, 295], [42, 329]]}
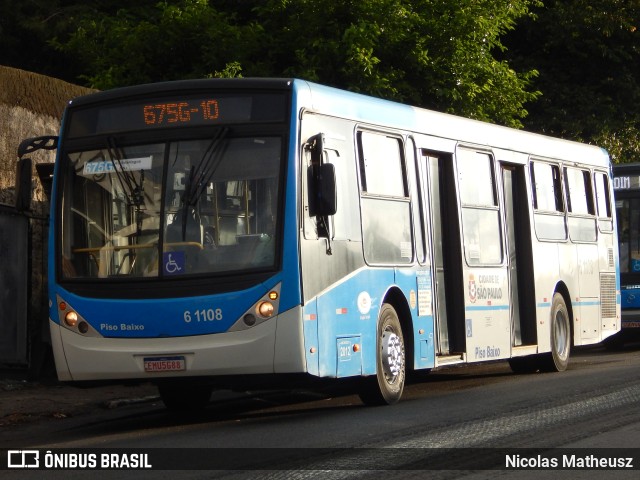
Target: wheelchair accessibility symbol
{"points": [[173, 262]]}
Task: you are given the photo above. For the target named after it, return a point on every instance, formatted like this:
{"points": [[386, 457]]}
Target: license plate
{"points": [[164, 364]]}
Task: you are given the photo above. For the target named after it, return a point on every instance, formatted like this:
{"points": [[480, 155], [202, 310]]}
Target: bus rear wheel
{"points": [[387, 385], [558, 359]]}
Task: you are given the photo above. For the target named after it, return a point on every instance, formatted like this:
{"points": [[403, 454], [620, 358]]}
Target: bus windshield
{"points": [[628, 213], [171, 208]]}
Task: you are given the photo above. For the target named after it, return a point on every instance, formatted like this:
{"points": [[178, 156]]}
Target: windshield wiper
{"points": [[130, 186], [200, 176], [128, 182]]}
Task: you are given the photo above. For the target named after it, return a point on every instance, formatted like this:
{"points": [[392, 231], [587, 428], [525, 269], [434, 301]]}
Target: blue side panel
{"points": [[310, 326], [630, 297], [290, 252], [417, 286], [349, 356], [347, 316], [351, 309]]}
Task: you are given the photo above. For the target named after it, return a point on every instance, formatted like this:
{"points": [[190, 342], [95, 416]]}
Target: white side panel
{"points": [[589, 319], [546, 264], [487, 320], [289, 351], [62, 369]]}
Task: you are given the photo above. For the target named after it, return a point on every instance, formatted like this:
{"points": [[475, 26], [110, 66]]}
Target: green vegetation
{"points": [[568, 68]]}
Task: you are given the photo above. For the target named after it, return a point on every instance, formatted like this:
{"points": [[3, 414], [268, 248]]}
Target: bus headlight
{"points": [[265, 309], [71, 318]]}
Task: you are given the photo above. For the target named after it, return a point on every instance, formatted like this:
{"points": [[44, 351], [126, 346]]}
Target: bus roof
{"points": [[419, 120], [376, 111]]}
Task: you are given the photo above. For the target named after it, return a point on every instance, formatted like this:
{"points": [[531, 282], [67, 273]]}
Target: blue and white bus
{"points": [[626, 184], [208, 233]]}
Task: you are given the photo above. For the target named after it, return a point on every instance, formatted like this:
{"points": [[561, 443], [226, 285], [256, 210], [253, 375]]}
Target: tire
{"points": [[184, 399], [558, 360], [385, 388]]}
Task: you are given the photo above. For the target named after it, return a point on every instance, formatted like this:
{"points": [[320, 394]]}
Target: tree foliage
{"points": [[433, 53], [588, 56], [572, 65]]}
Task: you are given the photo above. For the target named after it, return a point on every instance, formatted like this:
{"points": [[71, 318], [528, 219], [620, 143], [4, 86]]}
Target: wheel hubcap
{"points": [[561, 335], [392, 356]]}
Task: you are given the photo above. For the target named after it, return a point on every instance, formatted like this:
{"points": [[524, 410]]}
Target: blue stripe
{"points": [[581, 304], [587, 304], [486, 307]]}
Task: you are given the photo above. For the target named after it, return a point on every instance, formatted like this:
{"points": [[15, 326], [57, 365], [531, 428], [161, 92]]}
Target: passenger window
{"points": [[602, 195], [581, 220], [579, 197], [603, 202], [386, 210], [480, 213], [548, 204], [381, 165], [476, 179], [547, 190]]}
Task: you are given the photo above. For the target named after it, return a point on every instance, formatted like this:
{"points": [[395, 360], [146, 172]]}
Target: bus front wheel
{"points": [[385, 388]]}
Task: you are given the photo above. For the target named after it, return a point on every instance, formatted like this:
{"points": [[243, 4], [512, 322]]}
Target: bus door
{"points": [[487, 299], [519, 255], [448, 301]]}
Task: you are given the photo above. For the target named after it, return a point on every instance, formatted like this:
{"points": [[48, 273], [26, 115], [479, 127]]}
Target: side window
{"points": [[386, 209], [381, 164], [581, 219], [548, 205], [480, 213], [547, 188], [579, 197], [603, 202]]}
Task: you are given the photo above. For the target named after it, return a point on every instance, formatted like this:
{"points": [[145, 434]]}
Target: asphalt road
{"points": [[479, 410]]}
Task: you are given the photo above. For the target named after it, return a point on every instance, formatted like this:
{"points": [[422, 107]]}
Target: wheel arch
{"points": [[398, 301]]}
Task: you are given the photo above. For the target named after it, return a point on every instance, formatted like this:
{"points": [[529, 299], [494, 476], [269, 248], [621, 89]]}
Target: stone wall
{"points": [[32, 105]]}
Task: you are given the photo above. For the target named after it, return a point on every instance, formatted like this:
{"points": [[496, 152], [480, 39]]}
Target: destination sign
{"points": [[176, 111], [626, 182]]}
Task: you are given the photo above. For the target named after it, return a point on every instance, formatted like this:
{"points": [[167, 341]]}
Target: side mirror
{"points": [[322, 180], [323, 201], [25, 168], [30, 145], [24, 185], [326, 200]]}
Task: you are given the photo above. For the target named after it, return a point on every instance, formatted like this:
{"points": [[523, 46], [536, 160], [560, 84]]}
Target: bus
{"points": [[222, 233], [626, 185]]}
